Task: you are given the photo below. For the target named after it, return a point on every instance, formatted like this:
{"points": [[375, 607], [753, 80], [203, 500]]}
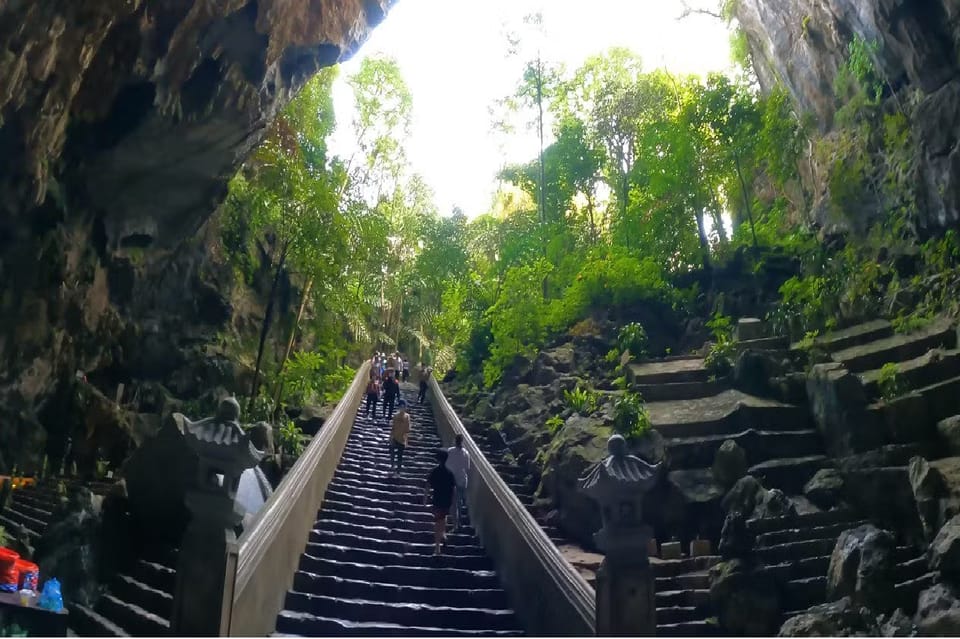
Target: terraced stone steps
{"points": [[368, 567], [874, 354], [851, 336], [918, 372]]}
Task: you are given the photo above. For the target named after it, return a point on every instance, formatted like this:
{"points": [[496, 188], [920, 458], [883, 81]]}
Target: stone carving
{"points": [[625, 585]]}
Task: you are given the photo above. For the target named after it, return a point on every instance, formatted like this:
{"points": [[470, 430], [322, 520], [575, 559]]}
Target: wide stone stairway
{"points": [[368, 568]]}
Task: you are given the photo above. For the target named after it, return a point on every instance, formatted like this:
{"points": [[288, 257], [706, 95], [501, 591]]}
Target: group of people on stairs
{"points": [[446, 484], [385, 375]]}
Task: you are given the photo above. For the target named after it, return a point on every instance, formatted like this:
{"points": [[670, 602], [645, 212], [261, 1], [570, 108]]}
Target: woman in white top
{"points": [[458, 463]]}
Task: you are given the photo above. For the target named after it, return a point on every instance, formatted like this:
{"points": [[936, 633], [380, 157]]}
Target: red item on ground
{"points": [[9, 575], [29, 574]]}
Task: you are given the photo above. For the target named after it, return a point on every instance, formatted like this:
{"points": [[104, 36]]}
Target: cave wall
{"points": [[802, 43], [120, 123]]}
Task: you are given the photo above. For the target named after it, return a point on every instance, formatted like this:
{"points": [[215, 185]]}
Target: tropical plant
{"points": [[630, 416], [288, 439], [554, 424], [633, 338], [582, 400], [891, 383]]}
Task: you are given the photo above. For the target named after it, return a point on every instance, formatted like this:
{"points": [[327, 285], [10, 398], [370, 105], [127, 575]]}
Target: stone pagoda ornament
{"points": [[223, 451], [625, 585]]}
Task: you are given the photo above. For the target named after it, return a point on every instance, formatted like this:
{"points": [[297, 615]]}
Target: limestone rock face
{"points": [[938, 612], [841, 618], [945, 550], [824, 488], [862, 567], [730, 463], [746, 599], [838, 402], [120, 123], [802, 43]]}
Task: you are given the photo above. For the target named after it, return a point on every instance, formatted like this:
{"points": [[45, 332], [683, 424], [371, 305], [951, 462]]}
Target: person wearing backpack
{"points": [[373, 394]]}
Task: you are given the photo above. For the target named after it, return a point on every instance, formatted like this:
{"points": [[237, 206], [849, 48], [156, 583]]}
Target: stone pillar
{"points": [[224, 451], [625, 582]]}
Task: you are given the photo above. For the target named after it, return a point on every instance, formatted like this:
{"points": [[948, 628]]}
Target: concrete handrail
{"points": [[268, 552], [549, 596]]}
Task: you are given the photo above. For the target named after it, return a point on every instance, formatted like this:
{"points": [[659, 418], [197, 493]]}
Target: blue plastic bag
{"points": [[51, 598]]}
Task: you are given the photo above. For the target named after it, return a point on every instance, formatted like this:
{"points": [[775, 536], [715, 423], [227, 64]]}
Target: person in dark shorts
{"points": [[399, 433], [424, 376], [442, 484], [391, 393], [373, 394]]}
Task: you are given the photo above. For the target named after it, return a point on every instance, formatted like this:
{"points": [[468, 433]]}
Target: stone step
{"points": [[897, 348], [686, 581], [411, 558], [11, 525], [679, 614], [25, 496], [336, 586], [789, 474], [438, 576], [918, 372], [703, 628], [667, 372], [291, 623], [803, 593], [801, 568], [907, 592], [147, 597], [830, 531], [84, 622], [759, 445], [795, 550], [697, 598], [155, 575], [821, 518], [416, 514], [672, 567], [132, 618], [680, 390], [911, 569], [851, 336], [701, 418], [394, 524], [386, 533], [318, 536], [14, 514], [405, 487], [366, 611], [28, 508]]}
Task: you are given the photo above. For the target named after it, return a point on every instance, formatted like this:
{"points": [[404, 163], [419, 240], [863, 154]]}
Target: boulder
{"points": [[928, 487], [746, 599], [580, 443], [744, 496], [938, 612], [862, 568], [841, 618], [729, 463], [839, 402], [311, 419], [736, 540], [944, 551], [754, 371], [88, 540], [562, 359], [898, 624], [825, 488], [774, 503], [884, 496], [948, 431], [651, 447]]}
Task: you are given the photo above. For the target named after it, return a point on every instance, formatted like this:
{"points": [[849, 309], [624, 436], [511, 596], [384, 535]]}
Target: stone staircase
{"points": [[368, 569], [31, 509], [138, 602]]}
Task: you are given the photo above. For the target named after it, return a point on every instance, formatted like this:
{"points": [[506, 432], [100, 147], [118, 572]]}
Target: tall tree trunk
{"points": [[747, 197], [624, 193], [265, 327], [593, 224], [399, 322], [286, 353]]}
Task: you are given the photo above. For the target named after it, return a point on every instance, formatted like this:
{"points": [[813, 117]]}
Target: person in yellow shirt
{"points": [[399, 432]]}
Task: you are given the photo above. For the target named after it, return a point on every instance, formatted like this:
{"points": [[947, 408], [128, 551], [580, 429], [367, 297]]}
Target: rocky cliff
{"points": [[802, 43], [120, 122]]}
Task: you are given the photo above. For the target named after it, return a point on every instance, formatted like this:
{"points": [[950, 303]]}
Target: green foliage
{"points": [[621, 382], [612, 356], [314, 378], [554, 424], [288, 439], [632, 337], [582, 400], [721, 326], [719, 359], [630, 417], [891, 383]]}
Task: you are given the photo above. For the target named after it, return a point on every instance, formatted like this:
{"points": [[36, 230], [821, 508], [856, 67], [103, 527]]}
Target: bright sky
{"points": [[452, 54]]}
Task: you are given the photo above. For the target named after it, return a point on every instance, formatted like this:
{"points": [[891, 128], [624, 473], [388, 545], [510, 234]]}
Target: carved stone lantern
{"points": [[223, 451], [625, 585]]}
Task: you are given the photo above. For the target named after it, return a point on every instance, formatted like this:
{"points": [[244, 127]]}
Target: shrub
{"points": [[288, 439], [581, 400], [612, 356], [721, 326], [633, 338], [630, 417], [554, 424], [890, 383], [719, 359]]}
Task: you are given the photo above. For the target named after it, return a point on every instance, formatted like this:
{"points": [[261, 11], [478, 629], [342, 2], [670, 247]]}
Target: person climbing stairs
{"points": [[368, 567]]}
